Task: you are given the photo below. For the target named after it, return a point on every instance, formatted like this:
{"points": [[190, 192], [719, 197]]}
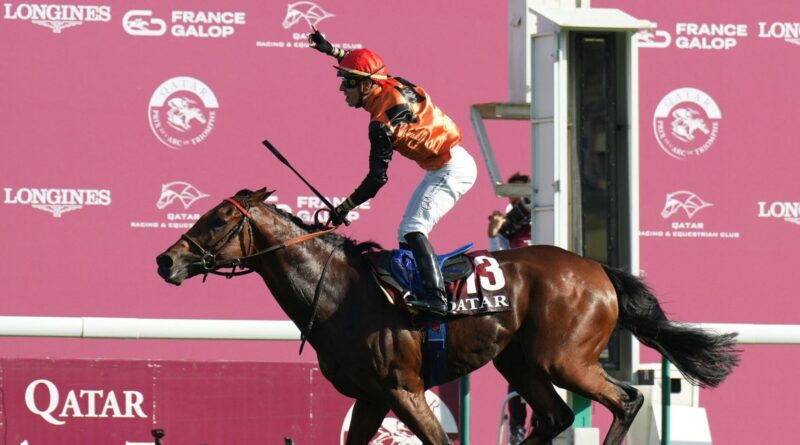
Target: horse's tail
{"points": [[704, 358]]}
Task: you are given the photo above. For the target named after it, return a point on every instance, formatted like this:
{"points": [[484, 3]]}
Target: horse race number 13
{"points": [[497, 281]]}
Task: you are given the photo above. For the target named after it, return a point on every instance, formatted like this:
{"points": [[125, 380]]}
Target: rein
{"points": [[211, 266]]}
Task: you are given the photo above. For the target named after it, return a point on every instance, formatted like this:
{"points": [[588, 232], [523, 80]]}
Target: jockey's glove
{"points": [[317, 41], [339, 215]]}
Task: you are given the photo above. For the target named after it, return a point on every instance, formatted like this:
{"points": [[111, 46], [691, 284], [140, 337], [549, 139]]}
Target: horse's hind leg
{"points": [[551, 414], [622, 400], [632, 401], [413, 410], [367, 418]]}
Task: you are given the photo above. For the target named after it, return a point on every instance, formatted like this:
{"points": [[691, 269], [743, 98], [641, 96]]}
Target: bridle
{"points": [[208, 257]]}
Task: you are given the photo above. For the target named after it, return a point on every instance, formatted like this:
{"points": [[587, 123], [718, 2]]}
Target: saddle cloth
{"points": [[474, 281]]}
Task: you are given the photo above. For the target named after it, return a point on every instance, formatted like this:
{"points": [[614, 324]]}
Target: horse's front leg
{"points": [[413, 410], [367, 418]]}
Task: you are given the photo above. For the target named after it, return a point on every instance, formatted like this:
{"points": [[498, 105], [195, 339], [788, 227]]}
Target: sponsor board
{"points": [[56, 201], [789, 32], [717, 36], [679, 212], [695, 36], [119, 402], [182, 112], [686, 122], [293, 31], [708, 36], [54, 16], [196, 24], [788, 211], [43, 398], [175, 200]]}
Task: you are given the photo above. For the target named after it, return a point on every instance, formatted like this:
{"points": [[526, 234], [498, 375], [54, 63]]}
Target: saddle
{"points": [[474, 283], [471, 287]]}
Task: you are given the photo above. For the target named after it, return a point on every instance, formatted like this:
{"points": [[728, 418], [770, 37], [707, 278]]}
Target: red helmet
{"points": [[363, 63]]}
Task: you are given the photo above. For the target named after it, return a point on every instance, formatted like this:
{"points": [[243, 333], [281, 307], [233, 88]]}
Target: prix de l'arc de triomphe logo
{"points": [[182, 112], [686, 122]]}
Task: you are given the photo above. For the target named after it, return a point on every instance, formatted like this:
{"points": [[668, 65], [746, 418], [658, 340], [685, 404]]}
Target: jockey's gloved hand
{"points": [[339, 215], [317, 41]]}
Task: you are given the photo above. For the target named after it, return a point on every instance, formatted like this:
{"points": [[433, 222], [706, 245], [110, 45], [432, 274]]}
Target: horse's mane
{"points": [[351, 247]]}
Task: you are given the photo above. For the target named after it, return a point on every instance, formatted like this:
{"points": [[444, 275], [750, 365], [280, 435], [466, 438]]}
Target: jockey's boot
{"points": [[435, 298]]}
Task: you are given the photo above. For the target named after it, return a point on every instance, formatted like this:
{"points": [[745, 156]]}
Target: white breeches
{"points": [[438, 193]]}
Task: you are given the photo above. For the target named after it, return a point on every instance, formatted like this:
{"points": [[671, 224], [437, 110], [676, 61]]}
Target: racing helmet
{"points": [[362, 63]]}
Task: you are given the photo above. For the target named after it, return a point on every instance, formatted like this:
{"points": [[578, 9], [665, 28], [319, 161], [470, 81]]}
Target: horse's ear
{"points": [[261, 194]]}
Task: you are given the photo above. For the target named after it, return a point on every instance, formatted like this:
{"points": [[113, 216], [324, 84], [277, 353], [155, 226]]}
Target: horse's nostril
{"points": [[164, 261]]}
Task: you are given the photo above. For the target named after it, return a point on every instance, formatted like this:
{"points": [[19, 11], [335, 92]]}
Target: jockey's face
{"points": [[354, 90]]}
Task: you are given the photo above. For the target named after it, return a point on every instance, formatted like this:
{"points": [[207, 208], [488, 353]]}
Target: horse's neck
{"points": [[292, 273]]}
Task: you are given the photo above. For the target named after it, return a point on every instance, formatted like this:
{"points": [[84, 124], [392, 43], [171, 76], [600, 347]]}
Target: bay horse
{"points": [[565, 308]]}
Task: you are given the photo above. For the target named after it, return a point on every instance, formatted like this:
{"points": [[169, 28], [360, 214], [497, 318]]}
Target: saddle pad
{"points": [[483, 291]]}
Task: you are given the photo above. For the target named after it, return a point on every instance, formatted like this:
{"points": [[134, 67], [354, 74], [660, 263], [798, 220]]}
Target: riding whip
{"points": [[316, 192]]}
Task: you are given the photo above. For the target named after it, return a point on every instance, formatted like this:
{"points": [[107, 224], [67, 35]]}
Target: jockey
{"points": [[403, 118]]}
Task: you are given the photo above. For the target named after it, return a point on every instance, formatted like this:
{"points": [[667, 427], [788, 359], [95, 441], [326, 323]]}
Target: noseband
{"points": [[208, 258]]}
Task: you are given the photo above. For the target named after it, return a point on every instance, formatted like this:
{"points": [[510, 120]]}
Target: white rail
{"points": [[775, 334], [147, 328], [188, 329]]}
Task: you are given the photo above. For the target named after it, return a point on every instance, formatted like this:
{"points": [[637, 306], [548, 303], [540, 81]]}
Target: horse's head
{"points": [[217, 239]]}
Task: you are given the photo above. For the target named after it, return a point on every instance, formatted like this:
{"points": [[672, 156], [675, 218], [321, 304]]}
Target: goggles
{"points": [[350, 82]]}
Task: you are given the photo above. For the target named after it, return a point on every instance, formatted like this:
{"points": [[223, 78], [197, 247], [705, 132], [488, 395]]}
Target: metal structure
{"points": [[552, 89]]}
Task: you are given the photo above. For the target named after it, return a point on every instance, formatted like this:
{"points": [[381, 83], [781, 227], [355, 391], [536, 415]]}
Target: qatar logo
{"points": [[653, 39], [683, 200], [181, 191], [308, 11], [686, 123], [174, 194], [43, 398], [182, 112], [395, 432]]}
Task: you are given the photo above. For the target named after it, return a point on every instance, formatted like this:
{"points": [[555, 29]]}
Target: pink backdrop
{"points": [[85, 110], [120, 401]]}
